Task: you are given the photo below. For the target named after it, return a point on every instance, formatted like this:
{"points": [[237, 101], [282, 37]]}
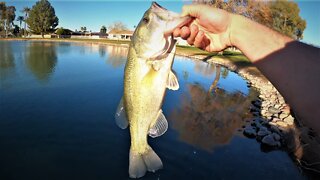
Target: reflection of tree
{"points": [[41, 59], [206, 120], [63, 47], [117, 55], [206, 69], [6, 56], [216, 79], [185, 75], [6, 61], [102, 51], [225, 73]]}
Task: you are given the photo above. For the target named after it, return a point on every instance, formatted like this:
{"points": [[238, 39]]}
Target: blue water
{"points": [[57, 103]]}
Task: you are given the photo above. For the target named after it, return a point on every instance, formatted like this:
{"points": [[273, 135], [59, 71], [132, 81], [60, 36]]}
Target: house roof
{"points": [[126, 32]]}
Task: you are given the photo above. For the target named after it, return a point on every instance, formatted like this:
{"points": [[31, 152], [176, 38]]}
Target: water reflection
{"points": [[6, 56], [207, 119], [7, 64], [205, 69], [41, 59], [117, 55]]}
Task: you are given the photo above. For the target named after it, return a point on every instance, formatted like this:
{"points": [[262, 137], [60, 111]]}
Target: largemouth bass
{"points": [[147, 74]]}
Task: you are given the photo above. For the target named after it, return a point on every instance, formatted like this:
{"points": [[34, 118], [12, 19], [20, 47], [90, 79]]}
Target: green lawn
{"points": [[237, 57]]}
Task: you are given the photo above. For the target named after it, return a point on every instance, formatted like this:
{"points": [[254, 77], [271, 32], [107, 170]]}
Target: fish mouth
{"points": [[167, 49], [168, 36], [174, 21]]}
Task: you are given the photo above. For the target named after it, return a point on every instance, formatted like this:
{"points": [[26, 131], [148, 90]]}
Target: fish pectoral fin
{"points": [[159, 127], [172, 82], [121, 116]]}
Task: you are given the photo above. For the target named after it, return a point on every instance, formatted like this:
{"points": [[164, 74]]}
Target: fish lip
{"points": [[157, 6], [170, 43], [170, 40]]}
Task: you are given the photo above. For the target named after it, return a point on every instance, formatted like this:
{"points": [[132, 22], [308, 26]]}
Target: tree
{"points": [[2, 15], [20, 19], [83, 29], [42, 18], [62, 31], [118, 26], [281, 15], [26, 11], [103, 30], [286, 18], [7, 16]]}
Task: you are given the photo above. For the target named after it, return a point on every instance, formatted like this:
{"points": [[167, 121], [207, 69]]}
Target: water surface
{"points": [[57, 103]]}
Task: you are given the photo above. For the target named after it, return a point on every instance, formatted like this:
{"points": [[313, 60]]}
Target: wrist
{"points": [[236, 21]]}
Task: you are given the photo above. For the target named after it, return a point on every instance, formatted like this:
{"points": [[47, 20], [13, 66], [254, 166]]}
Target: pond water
{"points": [[57, 105]]}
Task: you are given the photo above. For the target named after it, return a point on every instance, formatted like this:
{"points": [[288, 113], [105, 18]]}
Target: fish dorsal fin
{"points": [[121, 116], [172, 82], [159, 127]]}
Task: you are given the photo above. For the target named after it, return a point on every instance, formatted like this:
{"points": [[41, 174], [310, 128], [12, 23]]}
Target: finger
{"points": [[207, 43], [176, 32], [198, 39], [185, 32], [193, 32]]}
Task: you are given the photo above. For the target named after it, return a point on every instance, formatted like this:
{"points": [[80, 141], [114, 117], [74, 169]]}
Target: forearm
{"points": [[255, 40], [291, 66]]}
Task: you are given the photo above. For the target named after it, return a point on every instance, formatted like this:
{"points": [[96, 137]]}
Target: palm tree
{"points": [[20, 19], [25, 10]]}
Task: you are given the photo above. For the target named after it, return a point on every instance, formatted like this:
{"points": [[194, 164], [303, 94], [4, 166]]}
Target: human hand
{"points": [[210, 29]]}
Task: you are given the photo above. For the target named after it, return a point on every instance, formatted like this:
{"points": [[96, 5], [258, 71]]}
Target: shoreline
{"points": [[273, 124]]}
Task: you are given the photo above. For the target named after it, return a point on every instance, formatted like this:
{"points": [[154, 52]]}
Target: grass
{"points": [[236, 57]]}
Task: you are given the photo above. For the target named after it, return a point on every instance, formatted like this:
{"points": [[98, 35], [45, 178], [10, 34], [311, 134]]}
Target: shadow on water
{"points": [[41, 59]]}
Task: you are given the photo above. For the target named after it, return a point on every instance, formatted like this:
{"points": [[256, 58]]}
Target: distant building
{"points": [[120, 34]]}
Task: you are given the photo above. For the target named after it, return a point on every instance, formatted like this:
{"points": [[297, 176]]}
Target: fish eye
{"points": [[145, 19]]}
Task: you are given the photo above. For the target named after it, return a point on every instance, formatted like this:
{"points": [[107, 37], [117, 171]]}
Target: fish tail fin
{"points": [[140, 163]]}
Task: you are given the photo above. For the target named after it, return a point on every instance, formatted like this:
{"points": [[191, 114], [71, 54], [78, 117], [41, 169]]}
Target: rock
{"points": [[268, 115], [281, 124], [263, 112], [283, 115], [286, 109], [276, 136], [273, 124], [274, 128], [289, 120], [254, 109], [257, 103], [256, 124], [270, 140], [263, 128], [249, 131], [262, 132]]}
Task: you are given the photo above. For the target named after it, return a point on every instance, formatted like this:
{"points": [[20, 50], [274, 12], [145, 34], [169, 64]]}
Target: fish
{"points": [[147, 74]]}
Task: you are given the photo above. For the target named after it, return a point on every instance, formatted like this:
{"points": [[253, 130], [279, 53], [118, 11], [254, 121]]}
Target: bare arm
{"points": [[291, 66]]}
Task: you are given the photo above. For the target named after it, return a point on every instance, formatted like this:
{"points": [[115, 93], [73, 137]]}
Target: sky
{"points": [[93, 14]]}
